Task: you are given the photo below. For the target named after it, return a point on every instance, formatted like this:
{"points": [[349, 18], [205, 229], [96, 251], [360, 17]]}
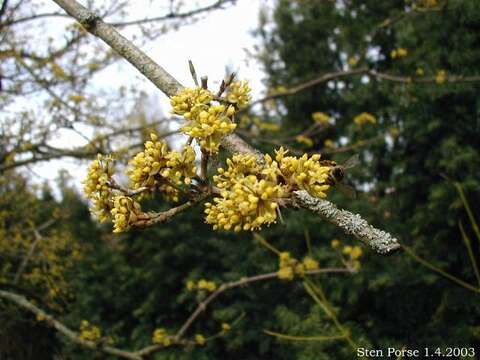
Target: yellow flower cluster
{"points": [[289, 267], [354, 253], [321, 118], [238, 93], [304, 173], [96, 187], [200, 339], [125, 212], [335, 243], [249, 196], [160, 337], [420, 72], [267, 126], [440, 77], [250, 193], [398, 53], [364, 118], [302, 139], [226, 327], [329, 143], [89, 332], [158, 166], [353, 61], [210, 126], [202, 284], [206, 122], [189, 102]]}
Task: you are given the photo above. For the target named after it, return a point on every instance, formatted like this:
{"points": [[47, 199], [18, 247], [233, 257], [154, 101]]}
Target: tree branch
{"points": [[171, 16], [352, 224], [141, 61], [64, 330], [379, 240], [227, 286]]}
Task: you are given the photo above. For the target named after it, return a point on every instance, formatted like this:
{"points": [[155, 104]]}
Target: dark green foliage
{"points": [[133, 283], [395, 301]]}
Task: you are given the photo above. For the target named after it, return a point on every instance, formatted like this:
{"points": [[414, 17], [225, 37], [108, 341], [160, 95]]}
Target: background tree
{"points": [[130, 285]]}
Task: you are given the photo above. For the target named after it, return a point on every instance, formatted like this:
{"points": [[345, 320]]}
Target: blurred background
{"points": [[395, 82]]}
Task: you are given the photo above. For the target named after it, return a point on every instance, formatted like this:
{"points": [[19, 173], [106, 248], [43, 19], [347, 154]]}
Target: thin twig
{"points": [[244, 281], [64, 330], [28, 256]]}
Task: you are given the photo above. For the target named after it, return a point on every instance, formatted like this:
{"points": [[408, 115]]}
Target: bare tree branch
{"points": [[64, 330], [33, 246], [353, 224], [176, 340], [216, 5], [154, 72], [361, 71], [227, 286]]}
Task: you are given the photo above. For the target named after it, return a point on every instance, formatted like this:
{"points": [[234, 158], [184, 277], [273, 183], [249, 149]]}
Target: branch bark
{"points": [[352, 224]]}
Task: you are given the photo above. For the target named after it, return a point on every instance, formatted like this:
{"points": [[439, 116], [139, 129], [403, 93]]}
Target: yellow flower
{"points": [[157, 167], [335, 243], [200, 339], [190, 285], [321, 118], [206, 285], [420, 72], [248, 198], [125, 213], [266, 126], [210, 126], [145, 168], [364, 118], [96, 187], [226, 327], [279, 89], [353, 61], [239, 93], [440, 77], [310, 264], [160, 337], [304, 173], [189, 102], [285, 273], [250, 193], [402, 52], [329, 144], [288, 267], [394, 132], [89, 332], [302, 139], [398, 53], [347, 250], [181, 164], [284, 258], [356, 253]]}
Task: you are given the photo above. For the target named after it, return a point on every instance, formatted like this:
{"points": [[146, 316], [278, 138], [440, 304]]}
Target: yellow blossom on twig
{"points": [[364, 118], [321, 118]]}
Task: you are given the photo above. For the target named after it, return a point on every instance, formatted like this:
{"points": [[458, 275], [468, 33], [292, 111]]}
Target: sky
{"points": [[217, 41]]}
